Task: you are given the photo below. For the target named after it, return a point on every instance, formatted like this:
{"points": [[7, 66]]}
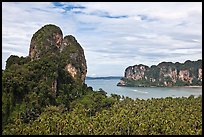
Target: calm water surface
{"points": [[142, 92]]}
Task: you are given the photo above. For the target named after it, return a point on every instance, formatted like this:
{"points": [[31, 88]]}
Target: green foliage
{"points": [[181, 83], [154, 72], [115, 96], [32, 82], [16, 60], [137, 83], [93, 102], [164, 116], [196, 82]]}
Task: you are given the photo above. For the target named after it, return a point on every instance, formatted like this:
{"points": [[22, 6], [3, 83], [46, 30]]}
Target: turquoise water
{"points": [[142, 92]]}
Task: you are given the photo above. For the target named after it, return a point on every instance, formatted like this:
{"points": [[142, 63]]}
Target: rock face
{"points": [[200, 74], [164, 74], [49, 41], [44, 39], [75, 63], [137, 69]]}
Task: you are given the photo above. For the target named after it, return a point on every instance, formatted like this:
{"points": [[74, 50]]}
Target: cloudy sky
{"points": [[113, 35]]}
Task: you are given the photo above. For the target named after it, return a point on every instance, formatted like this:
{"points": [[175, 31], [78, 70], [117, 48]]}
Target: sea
{"points": [[110, 86]]}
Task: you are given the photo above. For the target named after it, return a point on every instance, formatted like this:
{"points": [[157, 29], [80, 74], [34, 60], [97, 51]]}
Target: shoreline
{"points": [[162, 86], [188, 86]]}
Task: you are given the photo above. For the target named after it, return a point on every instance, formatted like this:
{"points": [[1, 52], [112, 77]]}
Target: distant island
{"points": [[165, 74]]}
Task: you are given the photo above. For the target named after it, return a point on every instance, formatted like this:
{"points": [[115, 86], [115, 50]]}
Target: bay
{"points": [[109, 85]]}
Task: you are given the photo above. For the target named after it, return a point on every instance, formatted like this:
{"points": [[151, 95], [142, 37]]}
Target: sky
{"points": [[113, 35]]}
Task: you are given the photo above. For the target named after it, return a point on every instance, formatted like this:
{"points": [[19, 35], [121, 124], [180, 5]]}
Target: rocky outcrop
{"points": [[184, 75], [72, 70], [137, 69], [49, 40], [43, 40], [164, 74], [200, 74], [75, 61]]}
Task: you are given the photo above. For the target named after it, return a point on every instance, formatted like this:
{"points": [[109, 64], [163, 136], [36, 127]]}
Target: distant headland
{"points": [[165, 74]]}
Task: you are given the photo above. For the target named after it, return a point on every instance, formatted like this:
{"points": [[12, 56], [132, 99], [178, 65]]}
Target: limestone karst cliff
{"points": [[49, 36], [188, 73], [70, 54], [52, 74], [75, 63]]}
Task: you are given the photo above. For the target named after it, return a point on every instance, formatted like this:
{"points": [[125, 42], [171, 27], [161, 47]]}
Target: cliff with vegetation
{"points": [[53, 74], [66, 52], [165, 74]]}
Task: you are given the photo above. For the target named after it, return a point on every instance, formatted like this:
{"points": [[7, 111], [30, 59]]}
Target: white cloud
{"points": [[113, 35]]}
